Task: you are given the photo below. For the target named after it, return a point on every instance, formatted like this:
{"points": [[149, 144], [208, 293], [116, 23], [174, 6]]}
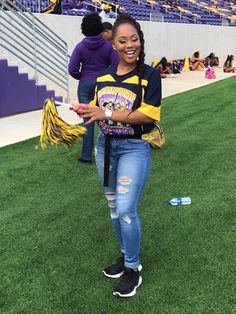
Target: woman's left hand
{"points": [[93, 112]]}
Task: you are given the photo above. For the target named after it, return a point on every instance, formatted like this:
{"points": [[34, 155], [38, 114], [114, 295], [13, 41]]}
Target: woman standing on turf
{"points": [[126, 104]]}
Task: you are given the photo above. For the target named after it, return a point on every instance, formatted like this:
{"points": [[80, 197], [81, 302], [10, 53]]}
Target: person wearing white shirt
{"points": [[106, 12]]}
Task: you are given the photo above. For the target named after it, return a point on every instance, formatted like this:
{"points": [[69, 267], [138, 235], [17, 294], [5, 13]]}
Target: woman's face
{"points": [[127, 43]]}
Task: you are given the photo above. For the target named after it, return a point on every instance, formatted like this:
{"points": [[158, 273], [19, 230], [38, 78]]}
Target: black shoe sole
{"points": [[131, 294], [119, 274]]}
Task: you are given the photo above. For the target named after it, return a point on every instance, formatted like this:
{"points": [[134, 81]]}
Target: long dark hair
{"points": [[126, 18], [163, 62], [211, 55], [228, 61]]}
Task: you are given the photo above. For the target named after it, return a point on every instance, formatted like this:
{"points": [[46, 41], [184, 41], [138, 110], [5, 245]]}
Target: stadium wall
{"points": [[162, 39]]}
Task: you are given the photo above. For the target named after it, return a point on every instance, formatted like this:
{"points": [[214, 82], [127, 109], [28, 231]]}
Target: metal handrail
{"points": [[22, 8], [32, 46], [28, 39]]}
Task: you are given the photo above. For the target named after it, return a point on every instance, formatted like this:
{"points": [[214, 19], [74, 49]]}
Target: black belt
{"points": [[107, 153]]}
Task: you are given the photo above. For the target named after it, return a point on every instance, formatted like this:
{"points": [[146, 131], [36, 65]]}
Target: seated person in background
{"points": [[106, 12], [163, 68], [228, 65], [107, 30], [76, 4], [211, 60], [54, 7], [195, 61]]}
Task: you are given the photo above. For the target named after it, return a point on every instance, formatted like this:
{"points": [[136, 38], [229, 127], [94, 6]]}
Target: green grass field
{"points": [[56, 235]]}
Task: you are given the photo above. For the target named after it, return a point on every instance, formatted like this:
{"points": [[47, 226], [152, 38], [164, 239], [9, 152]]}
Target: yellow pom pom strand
{"points": [[55, 130]]}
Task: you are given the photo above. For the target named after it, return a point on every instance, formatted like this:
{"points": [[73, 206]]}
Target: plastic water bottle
{"points": [[180, 201]]}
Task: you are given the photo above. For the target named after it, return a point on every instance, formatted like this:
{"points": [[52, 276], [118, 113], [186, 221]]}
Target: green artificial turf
{"points": [[56, 235]]}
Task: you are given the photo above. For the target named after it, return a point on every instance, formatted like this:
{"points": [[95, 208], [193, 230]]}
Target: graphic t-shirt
{"points": [[118, 93]]}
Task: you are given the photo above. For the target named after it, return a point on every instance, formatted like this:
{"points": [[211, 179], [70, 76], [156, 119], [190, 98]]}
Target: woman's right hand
{"points": [[77, 107]]}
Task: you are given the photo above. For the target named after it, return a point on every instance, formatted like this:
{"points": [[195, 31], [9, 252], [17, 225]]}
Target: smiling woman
{"points": [[126, 104], [127, 44]]}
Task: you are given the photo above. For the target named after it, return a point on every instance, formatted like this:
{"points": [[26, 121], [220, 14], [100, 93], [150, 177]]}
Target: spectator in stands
{"points": [[106, 12], [76, 4], [107, 31], [211, 60], [88, 58], [55, 7], [163, 67], [228, 65], [195, 61], [126, 104]]}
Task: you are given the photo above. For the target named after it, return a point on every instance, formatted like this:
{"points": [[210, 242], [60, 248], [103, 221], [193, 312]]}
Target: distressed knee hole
{"points": [[122, 189], [110, 196], [126, 219], [114, 215], [125, 180], [112, 205]]}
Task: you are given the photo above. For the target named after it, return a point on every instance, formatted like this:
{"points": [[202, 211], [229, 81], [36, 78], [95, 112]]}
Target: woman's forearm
{"points": [[130, 117], [97, 114]]}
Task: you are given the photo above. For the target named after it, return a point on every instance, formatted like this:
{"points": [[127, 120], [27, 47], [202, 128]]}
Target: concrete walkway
{"points": [[23, 126]]}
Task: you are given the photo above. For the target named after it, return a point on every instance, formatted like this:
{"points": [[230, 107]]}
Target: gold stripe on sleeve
{"points": [[150, 111]]}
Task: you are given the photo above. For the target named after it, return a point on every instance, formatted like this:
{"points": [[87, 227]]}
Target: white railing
{"points": [[25, 37]]}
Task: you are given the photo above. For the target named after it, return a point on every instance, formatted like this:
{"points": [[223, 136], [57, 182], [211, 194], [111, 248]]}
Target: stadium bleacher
{"points": [[212, 12]]}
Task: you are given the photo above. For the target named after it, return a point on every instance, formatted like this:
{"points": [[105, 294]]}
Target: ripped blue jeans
{"points": [[129, 169]]}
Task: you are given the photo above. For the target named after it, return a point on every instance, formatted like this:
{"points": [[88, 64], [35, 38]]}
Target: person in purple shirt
{"points": [[89, 57]]}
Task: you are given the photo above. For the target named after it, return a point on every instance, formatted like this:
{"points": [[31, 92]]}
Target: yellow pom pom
{"points": [[55, 130]]}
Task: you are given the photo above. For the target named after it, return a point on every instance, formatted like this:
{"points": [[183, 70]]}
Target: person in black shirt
{"points": [[126, 104]]}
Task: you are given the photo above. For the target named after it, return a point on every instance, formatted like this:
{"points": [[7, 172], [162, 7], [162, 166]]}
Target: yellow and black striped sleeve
{"points": [[151, 103]]}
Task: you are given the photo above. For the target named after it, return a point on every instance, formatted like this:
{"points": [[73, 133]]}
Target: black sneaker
{"points": [[116, 270], [128, 284]]}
